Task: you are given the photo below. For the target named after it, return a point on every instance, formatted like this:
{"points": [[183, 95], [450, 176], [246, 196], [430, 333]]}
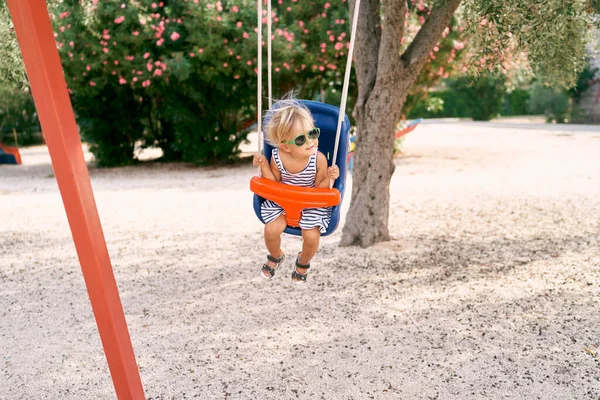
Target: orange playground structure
{"points": [[49, 88]]}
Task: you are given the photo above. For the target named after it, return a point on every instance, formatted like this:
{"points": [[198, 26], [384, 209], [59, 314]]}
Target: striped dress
{"points": [[311, 217]]}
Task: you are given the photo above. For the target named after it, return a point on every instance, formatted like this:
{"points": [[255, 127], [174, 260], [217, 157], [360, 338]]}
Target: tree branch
{"points": [[368, 38], [416, 54], [394, 12]]}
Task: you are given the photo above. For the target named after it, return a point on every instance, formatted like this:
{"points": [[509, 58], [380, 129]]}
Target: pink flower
{"points": [[339, 46], [234, 9], [92, 83], [105, 50], [135, 33], [200, 51], [146, 55], [154, 5], [157, 72], [236, 77], [160, 42], [88, 67], [175, 36], [245, 35], [149, 66], [191, 54], [239, 24], [120, 19], [122, 81], [327, 5]]}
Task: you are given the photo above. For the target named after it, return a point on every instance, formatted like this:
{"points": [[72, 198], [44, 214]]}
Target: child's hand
{"points": [[259, 160], [333, 172]]}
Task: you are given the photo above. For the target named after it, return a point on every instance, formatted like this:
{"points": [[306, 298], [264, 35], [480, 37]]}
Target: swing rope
{"points": [[259, 70], [346, 80], [345, 88]]}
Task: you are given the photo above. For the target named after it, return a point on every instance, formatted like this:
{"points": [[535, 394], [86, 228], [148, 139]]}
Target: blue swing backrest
{"points": [[326, 118]]}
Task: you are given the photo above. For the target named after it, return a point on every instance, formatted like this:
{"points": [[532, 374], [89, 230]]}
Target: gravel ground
{"points": [[488, 290]]}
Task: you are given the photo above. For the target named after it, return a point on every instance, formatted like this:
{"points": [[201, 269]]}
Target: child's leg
{"points": [[273, 231], [310, 245]]}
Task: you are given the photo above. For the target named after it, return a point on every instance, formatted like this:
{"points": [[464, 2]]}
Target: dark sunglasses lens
{"points": [[300, 140], [314, 134]]}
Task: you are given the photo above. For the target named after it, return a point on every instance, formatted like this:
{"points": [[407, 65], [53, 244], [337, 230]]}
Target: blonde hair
{"points": [[280, 122]]}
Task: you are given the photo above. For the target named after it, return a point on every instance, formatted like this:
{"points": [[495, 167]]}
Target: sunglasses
{"points": [[300, 140]]}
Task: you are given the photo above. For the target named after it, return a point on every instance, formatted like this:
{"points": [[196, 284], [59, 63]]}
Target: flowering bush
{"points": [[181, 74], [445, 59]]}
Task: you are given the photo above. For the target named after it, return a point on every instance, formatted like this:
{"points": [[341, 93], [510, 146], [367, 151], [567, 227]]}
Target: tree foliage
{"points": [[552, 33], [12, 72]]}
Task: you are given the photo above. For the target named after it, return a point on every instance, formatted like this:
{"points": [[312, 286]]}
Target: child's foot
{"points": [[268, 270], [301, 272]]}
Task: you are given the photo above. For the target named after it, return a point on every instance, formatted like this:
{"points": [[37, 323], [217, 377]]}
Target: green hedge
{"points": [[17, 113]]}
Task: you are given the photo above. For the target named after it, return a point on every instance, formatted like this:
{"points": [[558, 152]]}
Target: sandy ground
{"points": [[489, 290]]}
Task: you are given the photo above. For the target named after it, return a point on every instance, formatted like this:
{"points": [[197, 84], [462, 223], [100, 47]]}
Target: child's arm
{"points": [[275, 170], [260, 160], [324, 174]]}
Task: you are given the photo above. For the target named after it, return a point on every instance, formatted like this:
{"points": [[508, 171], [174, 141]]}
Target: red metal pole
{"points": [[36, 39]]}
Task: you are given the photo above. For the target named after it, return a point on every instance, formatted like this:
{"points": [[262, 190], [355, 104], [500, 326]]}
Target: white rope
{"points": [[346, 80], [259, 73], [269, 55], [346, 84]]}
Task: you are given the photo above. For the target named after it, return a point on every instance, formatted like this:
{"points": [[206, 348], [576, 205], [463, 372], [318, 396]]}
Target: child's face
{"points": [[308, 148]]}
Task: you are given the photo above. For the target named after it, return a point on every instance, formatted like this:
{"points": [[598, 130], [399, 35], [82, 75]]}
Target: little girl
{"points": [[296, 161]]}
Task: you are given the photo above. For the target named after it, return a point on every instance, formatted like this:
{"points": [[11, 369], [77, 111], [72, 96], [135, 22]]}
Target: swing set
{"points": [[42, 62]]}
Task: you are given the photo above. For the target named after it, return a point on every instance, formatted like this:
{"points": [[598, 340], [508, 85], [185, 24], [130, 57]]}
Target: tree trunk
{"points": [[384, 79]]}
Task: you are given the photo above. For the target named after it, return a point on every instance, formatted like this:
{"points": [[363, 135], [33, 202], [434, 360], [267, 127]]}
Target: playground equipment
{"points": [[399, 134], [49, 89], [333, 140], [9, 155]]}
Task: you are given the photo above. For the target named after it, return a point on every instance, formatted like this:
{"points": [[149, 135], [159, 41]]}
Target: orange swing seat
{"points": [[294, 199]]}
